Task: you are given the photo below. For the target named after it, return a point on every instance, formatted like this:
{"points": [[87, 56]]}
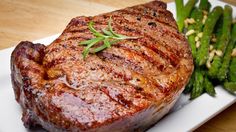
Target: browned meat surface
{"points": [[127, 87]]}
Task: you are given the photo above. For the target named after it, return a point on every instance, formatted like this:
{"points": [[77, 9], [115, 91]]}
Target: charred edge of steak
{"points": [[29, 51]]}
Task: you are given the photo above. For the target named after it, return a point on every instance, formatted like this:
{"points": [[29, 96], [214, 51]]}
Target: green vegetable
{"points": [[191, 41], [185, 11], [219, 29], [204, 5], [198, 84], [232, 70], [208, 86], [230, 86], [223, 41], [190, 84], [226, 29], [198, 18], [179, 7], [226, 59], [202, 53], [191, 38], [197, 15], [216, 63], [108, 37]]}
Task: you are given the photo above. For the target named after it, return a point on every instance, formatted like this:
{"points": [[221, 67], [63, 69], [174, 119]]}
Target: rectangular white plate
{"points": [[185, 116]]}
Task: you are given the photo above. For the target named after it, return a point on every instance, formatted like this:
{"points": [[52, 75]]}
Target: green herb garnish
{"points": [[107, 37]]}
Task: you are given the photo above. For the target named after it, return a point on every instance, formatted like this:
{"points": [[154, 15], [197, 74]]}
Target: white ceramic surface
{"points": [[185, 116]]}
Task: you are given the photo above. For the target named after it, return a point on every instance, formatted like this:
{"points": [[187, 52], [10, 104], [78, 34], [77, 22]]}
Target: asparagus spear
{"points": [[226, 29], [191, 41], [209, 88], [204, 5], [198, 84], [179, 4], [232, 67], [207, 31], [230, 86], [226, 59], [191, 38], [185, 11], [218, 29], [223, 42], [196, 14], [199, 24]]}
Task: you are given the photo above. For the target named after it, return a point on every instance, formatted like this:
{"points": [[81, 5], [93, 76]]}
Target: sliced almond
{"points": [[211, 47], [208, 64], [211, 55], [185, 23], [196, 38], [205, 12], [204, 19], [219, 53], [190, 32], [213, 40], [198, 43], [233, 54], [200, 34], [191, 21]]}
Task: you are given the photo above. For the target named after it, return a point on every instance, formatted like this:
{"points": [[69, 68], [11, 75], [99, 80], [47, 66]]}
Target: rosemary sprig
{"points": [[107, 37]]}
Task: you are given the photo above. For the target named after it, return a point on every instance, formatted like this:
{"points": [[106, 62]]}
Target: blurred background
{"points": [[35, 19]]}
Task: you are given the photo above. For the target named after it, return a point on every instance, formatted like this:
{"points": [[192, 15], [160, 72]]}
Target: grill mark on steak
{"points": [[122, 60], [154, 65], [82, 29], [81, 38], [153, 58], [116, 91], [119, 99]]}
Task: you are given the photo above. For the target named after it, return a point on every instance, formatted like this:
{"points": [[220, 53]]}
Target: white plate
{"points": [[185, 116]]}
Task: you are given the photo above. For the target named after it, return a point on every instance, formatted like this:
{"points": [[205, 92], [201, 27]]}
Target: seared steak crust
{"points": [[127, 87]]}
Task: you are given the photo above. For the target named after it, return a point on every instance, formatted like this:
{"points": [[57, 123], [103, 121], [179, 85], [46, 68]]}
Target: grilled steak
{"points": [[127, 87]]}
